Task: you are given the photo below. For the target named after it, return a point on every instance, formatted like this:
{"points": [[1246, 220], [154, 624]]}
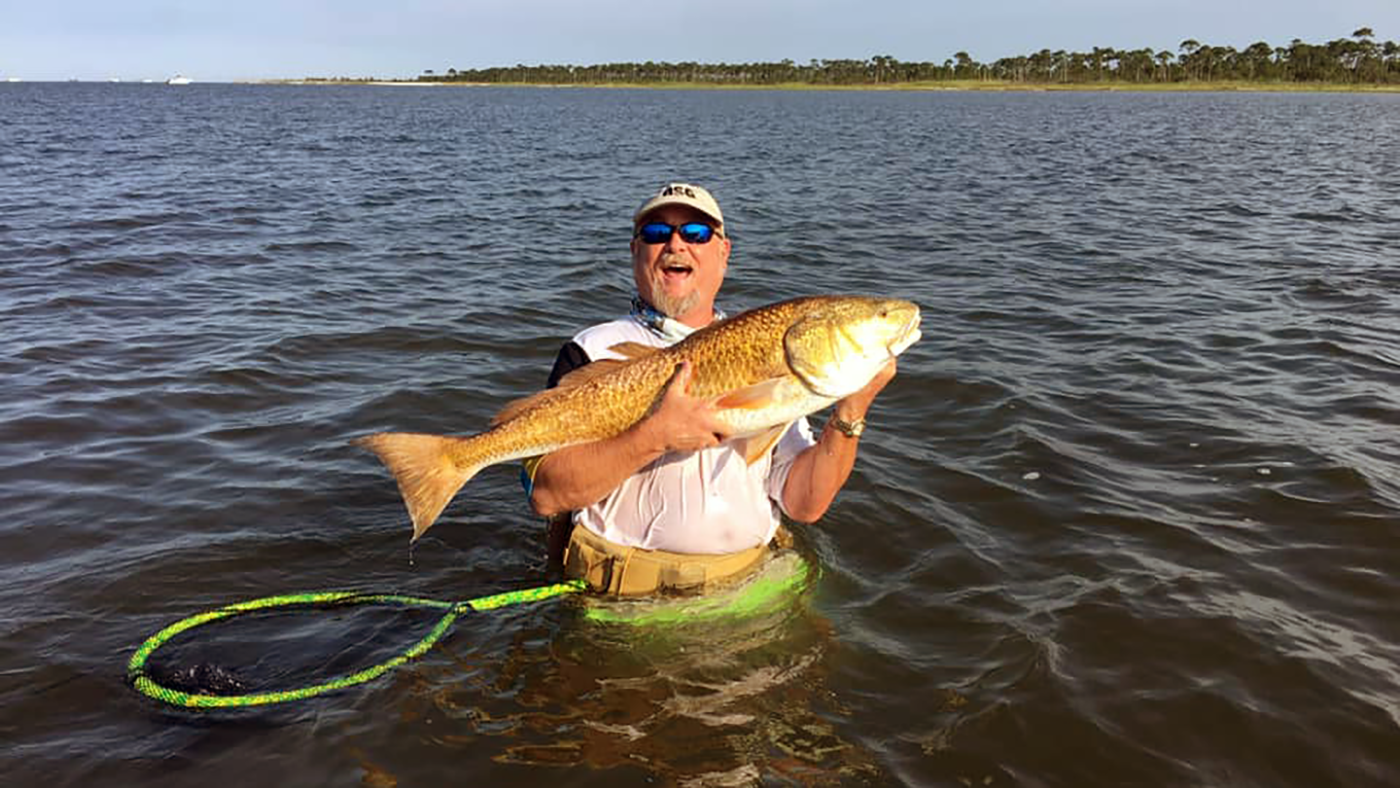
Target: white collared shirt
{"points": [[709, 501]]}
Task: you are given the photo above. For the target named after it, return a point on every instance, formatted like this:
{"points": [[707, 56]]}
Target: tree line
{"points": [[1357, 60]]}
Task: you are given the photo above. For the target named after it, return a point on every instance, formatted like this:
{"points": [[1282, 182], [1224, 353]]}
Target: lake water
{"points": [[1129, 515]]}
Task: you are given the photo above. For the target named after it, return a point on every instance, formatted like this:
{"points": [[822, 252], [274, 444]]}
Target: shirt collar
{"points": [[666, 327]]}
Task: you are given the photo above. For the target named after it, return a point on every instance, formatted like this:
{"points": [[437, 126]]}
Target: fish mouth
{"points": [[908, 335]]}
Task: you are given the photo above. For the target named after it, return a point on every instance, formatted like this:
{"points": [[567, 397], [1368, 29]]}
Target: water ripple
{"points": [[1135, 487]]}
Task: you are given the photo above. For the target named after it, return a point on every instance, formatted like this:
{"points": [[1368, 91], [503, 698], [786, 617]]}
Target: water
{"points": [[1128, 515]]}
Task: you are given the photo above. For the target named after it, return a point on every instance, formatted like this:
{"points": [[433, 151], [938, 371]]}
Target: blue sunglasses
{"points": [[660, 232]]}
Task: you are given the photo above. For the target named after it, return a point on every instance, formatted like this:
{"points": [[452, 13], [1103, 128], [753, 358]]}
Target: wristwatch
{"points": [[851, 429]]}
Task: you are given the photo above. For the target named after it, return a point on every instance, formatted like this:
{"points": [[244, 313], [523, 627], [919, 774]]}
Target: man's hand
{"points": [[680, 422]]}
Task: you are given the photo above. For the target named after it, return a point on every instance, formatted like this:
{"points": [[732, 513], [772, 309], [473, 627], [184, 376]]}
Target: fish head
{"points": [[838, 344]]}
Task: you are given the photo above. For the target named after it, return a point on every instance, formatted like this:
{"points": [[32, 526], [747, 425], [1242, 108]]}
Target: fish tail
{"points": [[425, 470]]}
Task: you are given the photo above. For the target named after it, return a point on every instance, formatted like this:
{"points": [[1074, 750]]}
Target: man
{"points": [[670, 504]]}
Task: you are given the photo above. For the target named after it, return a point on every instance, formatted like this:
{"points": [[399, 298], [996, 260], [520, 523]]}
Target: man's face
{"points": [[680, 279]]}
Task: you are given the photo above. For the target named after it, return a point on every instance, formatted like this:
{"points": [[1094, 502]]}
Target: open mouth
{"points": [[676, 269]]}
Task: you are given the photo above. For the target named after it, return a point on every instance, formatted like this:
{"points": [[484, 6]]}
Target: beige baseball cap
{"points": [[687, 194]]}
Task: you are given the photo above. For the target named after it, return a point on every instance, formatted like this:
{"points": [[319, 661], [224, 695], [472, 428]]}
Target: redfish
{"points": [[764, 369]]}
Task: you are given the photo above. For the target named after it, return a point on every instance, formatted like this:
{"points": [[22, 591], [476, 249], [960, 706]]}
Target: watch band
{"points": [[851, 429]]}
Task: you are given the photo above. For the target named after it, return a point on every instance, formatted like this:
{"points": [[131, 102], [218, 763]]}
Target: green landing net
{"points": [[136, 667], [781, 580]]}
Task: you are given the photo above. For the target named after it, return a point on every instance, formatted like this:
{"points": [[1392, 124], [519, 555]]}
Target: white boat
{"points": [[178, 80]]}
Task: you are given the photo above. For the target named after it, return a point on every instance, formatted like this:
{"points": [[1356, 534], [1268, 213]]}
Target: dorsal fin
{"points": [[633, 350], [589, 371], [575, 378], [516, 407]]}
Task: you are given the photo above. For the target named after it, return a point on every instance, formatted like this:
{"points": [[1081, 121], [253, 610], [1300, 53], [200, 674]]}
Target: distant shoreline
{"points": [[984, 86]]}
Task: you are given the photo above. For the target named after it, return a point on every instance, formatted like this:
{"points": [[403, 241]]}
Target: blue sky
{"points": [[254, 39]]}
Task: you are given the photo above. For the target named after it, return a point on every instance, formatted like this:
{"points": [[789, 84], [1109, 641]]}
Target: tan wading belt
{"points": [[631, 571]]}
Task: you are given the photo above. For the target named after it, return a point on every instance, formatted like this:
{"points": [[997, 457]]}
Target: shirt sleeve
{"points": [[796, 439], [570, 358]]}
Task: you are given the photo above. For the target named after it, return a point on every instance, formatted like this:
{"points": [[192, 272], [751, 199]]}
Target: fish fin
{"points": [[517, 406], [759, 395], [590, 371], [423, 467], [633, 350], [755, 446], [578, 377]]}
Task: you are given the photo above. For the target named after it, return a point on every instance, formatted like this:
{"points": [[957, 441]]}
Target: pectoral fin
{"points": [[759, 395]]}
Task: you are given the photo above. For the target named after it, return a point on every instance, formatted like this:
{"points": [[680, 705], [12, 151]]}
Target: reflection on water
{"points": [[712, 700]]}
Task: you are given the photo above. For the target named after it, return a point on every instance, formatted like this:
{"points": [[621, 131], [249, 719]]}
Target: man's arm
{"points": [[819, 472], [578, 476]]}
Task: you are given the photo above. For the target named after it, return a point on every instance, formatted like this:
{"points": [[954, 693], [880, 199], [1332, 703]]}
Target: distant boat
{"points": [[178, 80], [12, 79]]}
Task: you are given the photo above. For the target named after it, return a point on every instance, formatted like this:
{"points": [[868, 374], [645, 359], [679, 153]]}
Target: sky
{"points": [[274, 39]]}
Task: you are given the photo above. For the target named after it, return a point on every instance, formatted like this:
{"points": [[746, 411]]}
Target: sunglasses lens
{"points": [[696, 232], [655, 233], [691, 232]]}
